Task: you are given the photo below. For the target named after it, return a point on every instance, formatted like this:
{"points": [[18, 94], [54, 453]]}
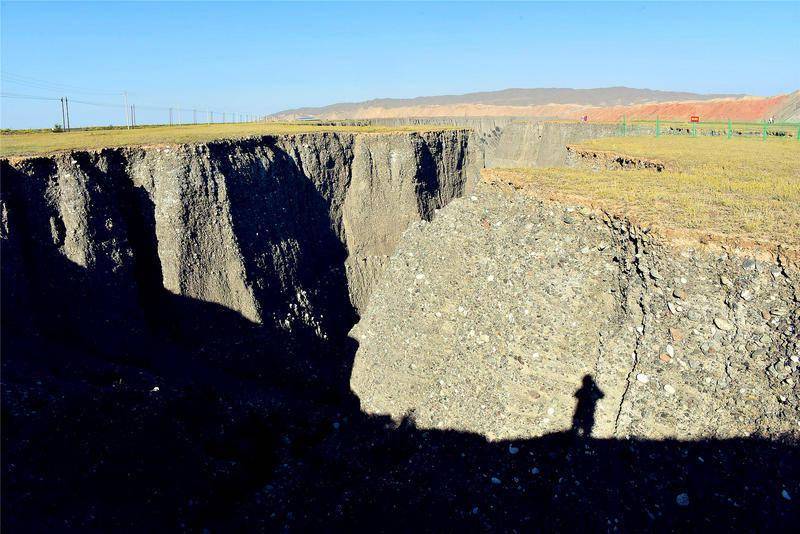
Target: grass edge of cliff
{"points": [[735, 193], [44, 142]]}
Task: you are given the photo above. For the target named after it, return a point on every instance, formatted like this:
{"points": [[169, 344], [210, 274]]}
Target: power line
{"points": [[104, 104], [173, 112], [27, 97], [99, 104], [49, 85], [108, 104]]}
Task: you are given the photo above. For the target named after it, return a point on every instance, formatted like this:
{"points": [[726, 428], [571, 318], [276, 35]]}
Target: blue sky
{"points": [[263, 58]]}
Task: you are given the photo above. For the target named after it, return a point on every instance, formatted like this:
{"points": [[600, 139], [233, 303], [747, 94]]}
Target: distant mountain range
{"points": [[606, 103]]}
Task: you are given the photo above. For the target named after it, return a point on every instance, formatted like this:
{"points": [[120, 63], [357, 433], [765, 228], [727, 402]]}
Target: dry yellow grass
{"points": [[741, 190], [41, 142]]}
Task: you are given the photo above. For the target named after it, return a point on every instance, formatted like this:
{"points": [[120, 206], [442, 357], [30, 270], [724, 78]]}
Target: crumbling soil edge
{"points": [[762, 250], [578, 156]]}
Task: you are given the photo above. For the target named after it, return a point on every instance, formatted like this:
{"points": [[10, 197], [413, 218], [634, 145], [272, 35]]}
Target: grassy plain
{"points": [[745, 190], [43, 141]]}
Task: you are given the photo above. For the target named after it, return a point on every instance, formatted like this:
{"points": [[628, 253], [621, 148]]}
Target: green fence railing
{"points": [[729, 128]]}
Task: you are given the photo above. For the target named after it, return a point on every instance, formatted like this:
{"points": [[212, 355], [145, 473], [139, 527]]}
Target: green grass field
{"points": [[33, 142], [744, 190]]}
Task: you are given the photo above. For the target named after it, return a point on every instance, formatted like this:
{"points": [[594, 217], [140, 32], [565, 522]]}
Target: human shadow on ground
{"points": [[112, 421], [583, 418]]}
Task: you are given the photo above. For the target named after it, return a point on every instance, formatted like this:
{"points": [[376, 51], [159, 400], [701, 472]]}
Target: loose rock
{"points": [[676, 334], [723, 324]]}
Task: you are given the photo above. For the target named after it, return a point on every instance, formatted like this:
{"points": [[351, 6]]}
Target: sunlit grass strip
{"points": [[742, 188], [40, 142]]}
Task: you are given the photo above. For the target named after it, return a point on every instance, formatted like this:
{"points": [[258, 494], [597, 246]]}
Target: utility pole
{"points": [[66, 105], [194, 116], [127, 111], [133, 115], [170, 116], [63, 115]]}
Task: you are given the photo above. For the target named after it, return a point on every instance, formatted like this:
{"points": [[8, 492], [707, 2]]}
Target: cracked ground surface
{"points": [[491, 315]]}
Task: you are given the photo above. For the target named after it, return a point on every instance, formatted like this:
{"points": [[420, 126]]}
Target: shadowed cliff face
{"points": [[175, 356], [290, 232]]}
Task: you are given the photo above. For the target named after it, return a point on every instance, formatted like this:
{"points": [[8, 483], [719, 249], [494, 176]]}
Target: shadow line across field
{"points": [[252, 430]]}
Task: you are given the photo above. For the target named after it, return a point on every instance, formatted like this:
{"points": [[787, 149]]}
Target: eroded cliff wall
{"points": [[288, 232], [522, 142]]}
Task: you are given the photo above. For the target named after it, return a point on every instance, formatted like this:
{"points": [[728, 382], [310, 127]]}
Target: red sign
{"points": [[694, 118]]}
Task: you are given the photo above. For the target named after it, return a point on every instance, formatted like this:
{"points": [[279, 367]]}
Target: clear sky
{"points": [[263, 58]]}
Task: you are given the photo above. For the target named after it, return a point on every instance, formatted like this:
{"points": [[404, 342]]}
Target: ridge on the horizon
{"points": [[601, 97]]}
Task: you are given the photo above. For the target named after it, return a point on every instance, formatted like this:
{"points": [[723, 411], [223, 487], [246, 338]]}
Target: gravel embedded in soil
{"points": [[490, 316]]}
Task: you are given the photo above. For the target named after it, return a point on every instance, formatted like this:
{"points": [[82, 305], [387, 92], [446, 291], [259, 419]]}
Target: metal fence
{"points": [[729, 128]]}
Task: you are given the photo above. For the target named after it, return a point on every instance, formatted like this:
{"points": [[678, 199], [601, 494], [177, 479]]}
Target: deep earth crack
{"points": [[626, 234]]}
